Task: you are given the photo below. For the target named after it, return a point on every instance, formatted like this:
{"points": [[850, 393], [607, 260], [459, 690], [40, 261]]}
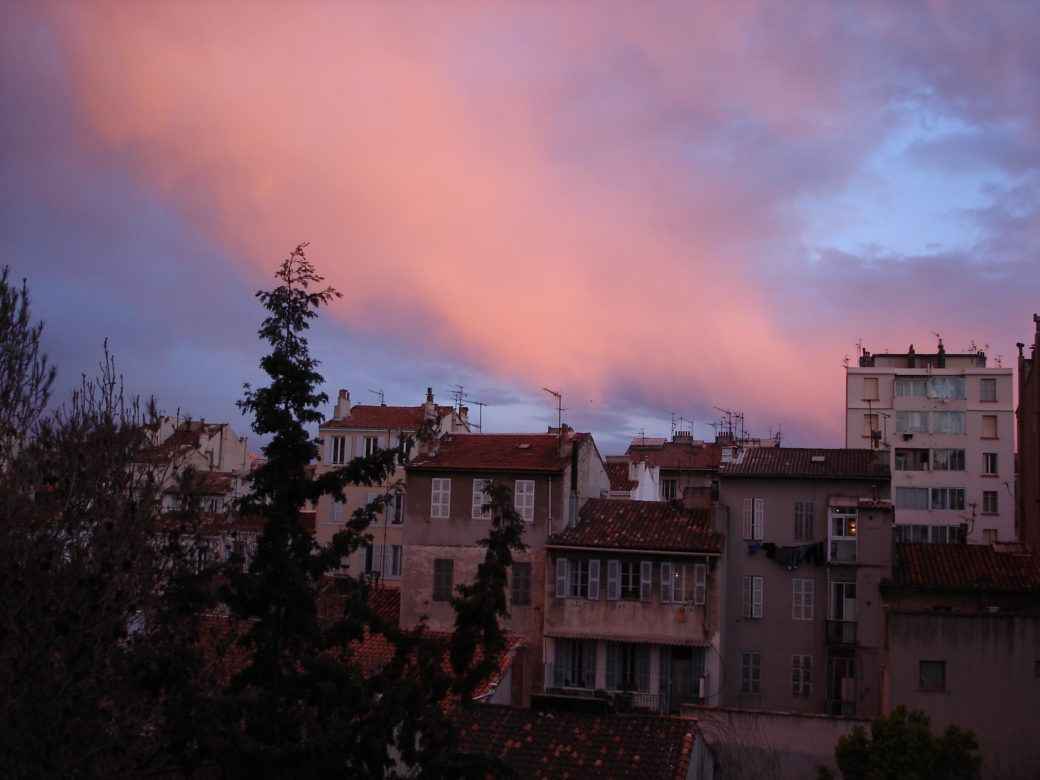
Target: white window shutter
{"points": [[749, 526], [613, 580], [756, 597], [561, 578], [666, 583], [646, 575], [593, 580], [700, 576], [760, 518]]}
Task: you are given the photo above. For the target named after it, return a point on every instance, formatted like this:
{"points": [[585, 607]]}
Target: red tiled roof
{"points": [[619, 480], [209, 483], [551, 745], [616, 523], [385, 417], [495, 452], [676, 454], [814, 463], [963, 567]]}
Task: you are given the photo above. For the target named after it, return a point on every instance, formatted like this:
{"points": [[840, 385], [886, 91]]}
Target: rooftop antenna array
{"points": [[480, 412], [679, 424], [733, 421], [559, 407], [381, 396]]}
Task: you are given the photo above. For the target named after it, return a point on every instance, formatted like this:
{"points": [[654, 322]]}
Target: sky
{"points": [[658, 210]]}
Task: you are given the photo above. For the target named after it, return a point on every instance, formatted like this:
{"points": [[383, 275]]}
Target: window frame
{"points": [[750, 673], [801, 676], [371, 445], [931, 674], [751, 597], [990, 502], [443, 580], [480, 509], [986, 429], [754, 519], [990, 464], [440, 497], [520, 584], [338, 450], [523, 499], [803, 591], [804, 520], [987, 389]]}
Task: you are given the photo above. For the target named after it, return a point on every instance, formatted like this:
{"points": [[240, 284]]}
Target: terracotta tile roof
{"points": [[385, 417], [616, 523], [209, 483], [495, 452], [810, 463], [676, 455], [618, 474], [551, 745], [963, 567]]}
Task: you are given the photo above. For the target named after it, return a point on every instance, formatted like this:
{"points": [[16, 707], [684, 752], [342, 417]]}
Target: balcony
{"points": [[841, 632], [842, 551]]}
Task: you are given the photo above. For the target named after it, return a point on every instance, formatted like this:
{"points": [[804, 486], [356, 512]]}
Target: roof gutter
{"points": [[638, 550]]}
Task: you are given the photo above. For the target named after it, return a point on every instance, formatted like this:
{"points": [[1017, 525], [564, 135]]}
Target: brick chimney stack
{"points": [[342, 405]]}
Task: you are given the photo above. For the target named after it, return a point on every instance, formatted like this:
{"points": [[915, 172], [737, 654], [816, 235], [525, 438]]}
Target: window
{"points": [[574, 663], [801, 676], [521, 584], [383, 559], [987, 389], [870, 425], [989, 502], [934, 534], [804, 513], [947, 498], [481, 508], [754, 518], [911, 498], [751, 673], [989, 464], [843, 601], [667, 489], [623, 578], [948, 460], [440, 497], [395, 509], [989, 426], [911, 388], [336, 510], [948, 422], [752, 602], [989, 535], [911, 422], [842, 524], [577, 579], [371, 445], [870, 388], [945, 387], [523, 499], [802, 599], [932, 675], [911, 460], [684, 583], [628, 667], [443, 579], [338, 450]]}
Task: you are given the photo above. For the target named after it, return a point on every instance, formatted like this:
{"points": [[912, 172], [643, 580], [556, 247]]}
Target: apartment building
{"points": [[551, 476], [362, 429], [946, 422], [808, 537], [633, 610], [675, 467]]}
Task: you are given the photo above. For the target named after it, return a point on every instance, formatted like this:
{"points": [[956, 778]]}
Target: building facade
{"points": [[360, 430], [808, 536], [946, 422], [633, 609]]}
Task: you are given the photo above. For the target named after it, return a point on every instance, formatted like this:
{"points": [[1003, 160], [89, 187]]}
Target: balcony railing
{"points": [[843, 551], [842, 632]]}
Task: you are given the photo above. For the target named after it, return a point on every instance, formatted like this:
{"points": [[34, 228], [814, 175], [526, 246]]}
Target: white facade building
{"points": [[948, 422]]}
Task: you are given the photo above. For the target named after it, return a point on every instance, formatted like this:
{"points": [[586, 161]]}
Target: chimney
{"points": [[464, 418], [942, 355], [342, 405], [430, 409], [682, 437]]}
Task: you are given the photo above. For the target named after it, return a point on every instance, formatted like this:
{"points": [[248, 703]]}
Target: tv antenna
{"points": [[559, 407], [480, 412], [380, 394]]}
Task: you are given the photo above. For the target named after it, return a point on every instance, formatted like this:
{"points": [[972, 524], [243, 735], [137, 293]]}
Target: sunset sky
{"points": [[653, 208]]}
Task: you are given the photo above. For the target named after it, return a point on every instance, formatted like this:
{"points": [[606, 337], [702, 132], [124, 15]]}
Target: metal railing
{"points": [[842, 632]]}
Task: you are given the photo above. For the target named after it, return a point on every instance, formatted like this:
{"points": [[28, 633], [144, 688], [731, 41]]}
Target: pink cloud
{"points": [[584, 200]]}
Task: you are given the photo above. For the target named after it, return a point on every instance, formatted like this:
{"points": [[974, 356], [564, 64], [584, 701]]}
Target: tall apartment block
{"points": [[948, 423]]}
